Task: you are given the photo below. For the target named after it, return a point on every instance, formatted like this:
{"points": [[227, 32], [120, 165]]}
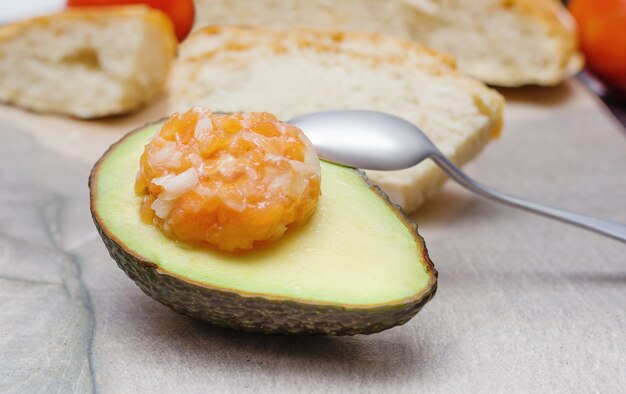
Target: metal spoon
{"points": [[379, 141]]}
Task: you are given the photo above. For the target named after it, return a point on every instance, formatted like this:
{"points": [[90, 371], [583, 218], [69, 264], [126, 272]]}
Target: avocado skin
{"points": [[252, 313], [270, 316]]}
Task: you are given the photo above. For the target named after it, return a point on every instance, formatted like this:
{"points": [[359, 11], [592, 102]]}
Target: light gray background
{"points": [[524, 304]]}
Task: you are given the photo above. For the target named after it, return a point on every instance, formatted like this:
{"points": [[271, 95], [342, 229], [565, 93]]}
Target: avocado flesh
{"points": [[357, 259]]}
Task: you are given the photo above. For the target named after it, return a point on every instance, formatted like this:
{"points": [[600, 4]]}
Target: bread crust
{"points": [[320, 40]]}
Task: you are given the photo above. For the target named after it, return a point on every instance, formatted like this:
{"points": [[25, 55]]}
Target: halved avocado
{"points": [[358, 267]]}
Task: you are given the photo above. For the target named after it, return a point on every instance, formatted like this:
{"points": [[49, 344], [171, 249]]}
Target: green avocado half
{"points": [[358, 267]]}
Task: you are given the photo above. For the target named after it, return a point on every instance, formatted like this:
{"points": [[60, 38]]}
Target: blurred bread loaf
{"points": [[87, 62], [296, 71], [347, 15], [502, 42]]}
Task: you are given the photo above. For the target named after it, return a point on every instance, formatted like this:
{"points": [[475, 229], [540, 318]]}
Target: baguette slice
{"points": [[372, 16], [87, 62], [294, 72], [502, 42]]}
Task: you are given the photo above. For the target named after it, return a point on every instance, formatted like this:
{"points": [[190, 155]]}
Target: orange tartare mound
{"points": [[228, 180]]}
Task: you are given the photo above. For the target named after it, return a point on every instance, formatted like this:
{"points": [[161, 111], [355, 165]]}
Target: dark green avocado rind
{"points": [[259, 313]]}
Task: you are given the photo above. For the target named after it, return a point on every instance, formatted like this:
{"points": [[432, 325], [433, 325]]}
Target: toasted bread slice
{"points": [[86, 62], [294, 72], [502, 42]]}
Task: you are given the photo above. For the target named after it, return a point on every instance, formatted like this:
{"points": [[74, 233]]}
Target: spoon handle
{"points": [[604, 227]]}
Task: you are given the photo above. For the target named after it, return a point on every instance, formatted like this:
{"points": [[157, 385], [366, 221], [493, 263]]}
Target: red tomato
{"points": [[602, 33], [181, 12]]}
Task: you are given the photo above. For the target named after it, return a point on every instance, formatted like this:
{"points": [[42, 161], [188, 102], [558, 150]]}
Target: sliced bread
{"points": [[297, 71], [502, 42], [347, 15], [87, 62]]}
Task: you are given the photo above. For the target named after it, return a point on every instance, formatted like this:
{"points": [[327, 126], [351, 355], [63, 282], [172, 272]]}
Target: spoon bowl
{"points": [[366, 139], [379, 141]]}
